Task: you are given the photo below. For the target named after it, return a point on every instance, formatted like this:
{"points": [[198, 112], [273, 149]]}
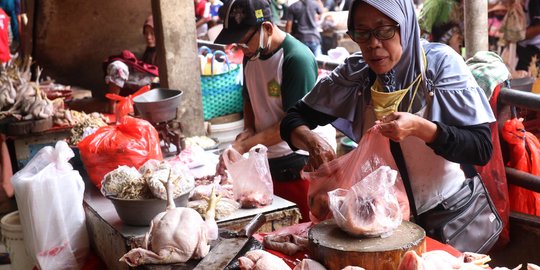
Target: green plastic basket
{"points": [[222, 93]]}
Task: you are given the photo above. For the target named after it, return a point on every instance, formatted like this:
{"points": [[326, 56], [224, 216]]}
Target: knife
{"points": [[230, 244]]}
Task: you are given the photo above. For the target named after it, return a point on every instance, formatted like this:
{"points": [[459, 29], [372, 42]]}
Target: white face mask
{"points": [[261, 48]]}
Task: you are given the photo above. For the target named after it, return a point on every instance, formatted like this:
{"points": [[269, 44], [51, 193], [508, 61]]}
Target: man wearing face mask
{"points": [[278, 71]]}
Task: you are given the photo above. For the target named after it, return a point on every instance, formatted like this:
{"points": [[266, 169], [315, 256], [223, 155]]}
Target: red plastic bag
{"points": [[130, 142], [524, 156], [372, 152]]}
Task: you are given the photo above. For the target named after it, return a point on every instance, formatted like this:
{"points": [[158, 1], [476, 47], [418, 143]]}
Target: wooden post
{"points": [[476, 27], [176, 38]]}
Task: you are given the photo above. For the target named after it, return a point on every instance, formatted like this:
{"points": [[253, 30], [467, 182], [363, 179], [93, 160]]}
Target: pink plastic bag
{"points": [[372, 152], [370, 207], [252, 182]]}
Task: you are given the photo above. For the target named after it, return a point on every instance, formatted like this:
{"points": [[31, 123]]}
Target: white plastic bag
{"points": [[49, 196], [370, 207], [252, 182]]}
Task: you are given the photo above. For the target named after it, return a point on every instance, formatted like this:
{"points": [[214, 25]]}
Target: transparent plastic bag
{"points": [[370, 207], [252, 182], [49, 196], [372, 152]]}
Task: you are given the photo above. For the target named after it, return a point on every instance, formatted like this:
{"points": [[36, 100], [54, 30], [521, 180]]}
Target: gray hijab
{"points": [[402, 12]]}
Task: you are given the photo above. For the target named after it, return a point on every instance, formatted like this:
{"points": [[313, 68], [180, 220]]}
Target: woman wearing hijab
{"points": [[417, 93]]}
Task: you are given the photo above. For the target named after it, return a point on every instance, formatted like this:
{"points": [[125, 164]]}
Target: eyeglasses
{"points": [[382, 32], [245, 45]]}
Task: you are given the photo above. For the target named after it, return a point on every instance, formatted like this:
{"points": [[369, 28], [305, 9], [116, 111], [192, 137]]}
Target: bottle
{"points": [[208, 65], [202, 61]]}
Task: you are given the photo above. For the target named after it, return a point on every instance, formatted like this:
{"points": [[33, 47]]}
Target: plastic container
{"points": [[12, 236], [226, 133]]}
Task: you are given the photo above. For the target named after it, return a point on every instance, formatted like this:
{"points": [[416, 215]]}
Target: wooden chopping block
{"points": [[336, 249], [29, 126]]}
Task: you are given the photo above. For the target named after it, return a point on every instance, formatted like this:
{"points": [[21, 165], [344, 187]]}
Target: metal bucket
{"points": [[158, 105]]}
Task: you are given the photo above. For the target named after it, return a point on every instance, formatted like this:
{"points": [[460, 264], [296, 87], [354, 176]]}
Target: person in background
{"points": [[4, 37], [202, 16], [13, 9], [278, 71], [530, 47], [495, 17], [448, 33], [214, 6], [150, 53], [337, 5], [417, 93], [278, 9], [302, 17]]}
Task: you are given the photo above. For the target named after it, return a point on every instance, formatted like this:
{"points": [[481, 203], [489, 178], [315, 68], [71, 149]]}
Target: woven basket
{"points": [[222, 93]]}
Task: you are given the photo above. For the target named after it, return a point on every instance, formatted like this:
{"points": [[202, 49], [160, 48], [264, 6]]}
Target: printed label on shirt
{"points": [[274, 89]]}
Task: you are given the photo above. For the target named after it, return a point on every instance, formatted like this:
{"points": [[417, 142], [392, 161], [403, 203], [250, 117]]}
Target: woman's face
{"points": [[149, 36], [380, 55]]}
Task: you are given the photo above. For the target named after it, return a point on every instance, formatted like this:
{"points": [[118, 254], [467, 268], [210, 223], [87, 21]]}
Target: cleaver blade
{"points": [[227, 249]]}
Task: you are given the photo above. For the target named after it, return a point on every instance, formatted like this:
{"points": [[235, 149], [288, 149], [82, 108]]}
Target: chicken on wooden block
{"points": [[370, 207], [176, 235]]}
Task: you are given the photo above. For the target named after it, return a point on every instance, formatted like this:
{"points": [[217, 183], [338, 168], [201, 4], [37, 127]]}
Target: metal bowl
{"points": [[141, 212], [158, 105]]}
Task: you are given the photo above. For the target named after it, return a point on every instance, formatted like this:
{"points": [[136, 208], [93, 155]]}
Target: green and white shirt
{"points": [[276, 82]]}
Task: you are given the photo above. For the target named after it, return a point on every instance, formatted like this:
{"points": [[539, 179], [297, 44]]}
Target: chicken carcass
{"points": [[176, 235], [261, 260], [437, 260], [309, 264]]}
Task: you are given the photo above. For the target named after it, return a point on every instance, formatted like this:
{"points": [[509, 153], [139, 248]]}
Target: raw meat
{"points": [[288, 244], [261, 260], [309, 264], [370, 207], [176, 235], [438, 260]]}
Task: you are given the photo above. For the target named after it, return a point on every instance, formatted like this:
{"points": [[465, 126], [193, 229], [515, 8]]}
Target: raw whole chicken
{"points": [[370, 207], [261, 260], [309, 264], [442, 260], [176, 235]]}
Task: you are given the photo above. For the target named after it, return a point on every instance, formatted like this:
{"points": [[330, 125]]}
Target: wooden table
{"points": [[111, 238]]}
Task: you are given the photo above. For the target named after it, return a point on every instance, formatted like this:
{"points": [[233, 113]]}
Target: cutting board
{"points": [[336, 249]]}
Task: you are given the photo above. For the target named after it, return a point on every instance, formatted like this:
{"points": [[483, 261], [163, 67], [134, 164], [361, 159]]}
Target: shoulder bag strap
{"points": [[395, 148]]}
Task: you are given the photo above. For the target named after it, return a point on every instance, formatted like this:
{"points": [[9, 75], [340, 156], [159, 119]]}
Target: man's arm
{"points": [[288, 26]]}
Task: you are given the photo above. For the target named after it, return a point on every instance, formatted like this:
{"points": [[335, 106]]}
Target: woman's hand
{"points": [[320, 152], [399, 125]]}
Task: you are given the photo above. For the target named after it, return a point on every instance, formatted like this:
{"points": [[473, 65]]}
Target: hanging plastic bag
{"points": [[524, 150], [514, 24], [370, 207], [372, 152], [49, 196], [252, 182], [130, 142]]}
